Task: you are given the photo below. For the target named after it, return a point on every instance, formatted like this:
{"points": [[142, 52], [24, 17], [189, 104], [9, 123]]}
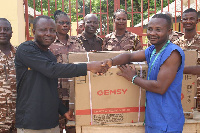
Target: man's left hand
{"points": [[69, 115], [127, 72]]}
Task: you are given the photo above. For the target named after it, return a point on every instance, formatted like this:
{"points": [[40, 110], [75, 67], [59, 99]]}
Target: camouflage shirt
{"points": [[175, 35], [91, 44], [59, 49], [73, 45], [193, 44], [185, 44], [129, 41], [7, 90]]}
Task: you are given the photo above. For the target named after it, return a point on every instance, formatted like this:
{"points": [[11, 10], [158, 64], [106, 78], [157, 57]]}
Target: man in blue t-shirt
{"points": [[165, 61]]}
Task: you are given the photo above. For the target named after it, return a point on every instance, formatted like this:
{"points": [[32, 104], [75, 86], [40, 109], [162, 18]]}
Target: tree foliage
{"points": [[94, 7]]}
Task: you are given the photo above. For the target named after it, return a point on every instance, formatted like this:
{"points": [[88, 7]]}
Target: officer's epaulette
{"points": [[99, 38], [179, 33], [73, 37], [79, 35]]}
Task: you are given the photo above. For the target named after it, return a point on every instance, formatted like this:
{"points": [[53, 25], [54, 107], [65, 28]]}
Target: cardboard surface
{"points": [[191, 57], [84, 57], [113, 98], [92, 56], [189, 85], [189, 127], [188, 93]]}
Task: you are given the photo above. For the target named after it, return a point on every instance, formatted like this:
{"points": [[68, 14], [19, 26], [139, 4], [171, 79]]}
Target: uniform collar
{"points": [[83, 36], [126, 34], [12, 52], [58, 41]]}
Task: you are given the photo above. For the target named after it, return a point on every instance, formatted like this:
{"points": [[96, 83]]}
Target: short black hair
{"points": [[166, 17], [38, 18], [6, 20], [119, 10], [191, 10], [90, 15], [58, 13]]}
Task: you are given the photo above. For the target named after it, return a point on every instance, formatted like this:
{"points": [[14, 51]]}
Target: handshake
{"points": [[99, 67]]}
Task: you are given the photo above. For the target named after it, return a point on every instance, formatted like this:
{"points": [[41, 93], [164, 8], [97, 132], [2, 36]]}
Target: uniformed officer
{"points": [[90, 41], [7, 79], [121, 39]]}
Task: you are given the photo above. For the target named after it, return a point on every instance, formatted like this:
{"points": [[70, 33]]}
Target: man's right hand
{"points": [[97, 67], [108, 63]]}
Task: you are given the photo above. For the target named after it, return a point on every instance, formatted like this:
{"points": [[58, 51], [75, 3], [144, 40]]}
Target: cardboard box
{"points": [[191, 57], [190, 126], [84, 57], [111, 99], [189, 85], [188, 93], [92, 56]]}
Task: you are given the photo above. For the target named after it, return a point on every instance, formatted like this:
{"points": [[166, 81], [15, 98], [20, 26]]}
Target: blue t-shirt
{"points": [[165, 111]]}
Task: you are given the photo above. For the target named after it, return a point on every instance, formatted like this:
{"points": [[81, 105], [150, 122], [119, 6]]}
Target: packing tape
{"points": [[140, 94], [90, 90], [88, 58]]}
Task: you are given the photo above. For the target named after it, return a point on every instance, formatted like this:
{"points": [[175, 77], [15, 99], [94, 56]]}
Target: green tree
{"points": [[137, 8], [95, 7]]}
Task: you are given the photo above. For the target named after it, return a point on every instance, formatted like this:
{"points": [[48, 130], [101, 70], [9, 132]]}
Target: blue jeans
{"points": [[154, 130]]}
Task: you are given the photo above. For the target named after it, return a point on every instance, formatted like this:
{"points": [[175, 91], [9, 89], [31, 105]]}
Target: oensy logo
{"points": [[112, 92]]}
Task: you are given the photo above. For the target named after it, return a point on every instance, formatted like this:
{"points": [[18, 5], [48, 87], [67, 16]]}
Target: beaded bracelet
{"points": [[134, 79]]}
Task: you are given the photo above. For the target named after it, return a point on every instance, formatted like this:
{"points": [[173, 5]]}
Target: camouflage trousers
{"points": [[7, 129]]}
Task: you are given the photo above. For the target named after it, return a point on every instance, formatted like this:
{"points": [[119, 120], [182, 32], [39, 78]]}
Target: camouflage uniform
{"points": [[7, 92], [58, 48], [73, 45], [94, 45], [193, 44], [175, 35], [128, 42]]}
